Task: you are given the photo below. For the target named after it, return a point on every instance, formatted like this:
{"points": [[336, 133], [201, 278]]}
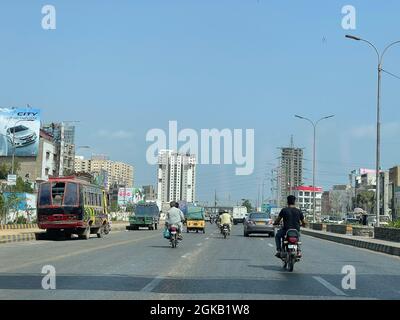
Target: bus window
{"points": [[45, 195], [57, 191], [71, 194]]}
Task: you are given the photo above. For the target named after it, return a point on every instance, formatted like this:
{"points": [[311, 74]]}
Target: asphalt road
{"points": [[141, 265]]}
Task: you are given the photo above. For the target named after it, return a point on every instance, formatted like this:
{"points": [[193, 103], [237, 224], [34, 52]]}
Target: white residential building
{"points": [[305, 199], [176, 178], [117, 172]]}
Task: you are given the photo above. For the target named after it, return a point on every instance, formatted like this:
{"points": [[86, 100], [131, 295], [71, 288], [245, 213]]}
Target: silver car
{"points": [[259, 223], [21, 136]]}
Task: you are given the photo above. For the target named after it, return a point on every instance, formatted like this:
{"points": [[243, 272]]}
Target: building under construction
{"points": [[290, 172]]}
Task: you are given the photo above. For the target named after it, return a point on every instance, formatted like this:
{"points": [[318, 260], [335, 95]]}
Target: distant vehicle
{"points": [[21, 136], [335, 220], [145, 215], [259, 223], [352, 221], [70, 205], [239, 215], [195, 219]]}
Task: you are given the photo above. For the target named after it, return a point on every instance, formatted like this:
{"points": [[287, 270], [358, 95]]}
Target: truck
{"points": [[145, 215], [239, 214]]}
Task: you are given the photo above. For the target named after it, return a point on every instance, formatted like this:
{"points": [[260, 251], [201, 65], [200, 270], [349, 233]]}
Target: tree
{"points": [[339, 202], [130, 207], [22, 186], [6, 168], [247, 204], [366, 200]]}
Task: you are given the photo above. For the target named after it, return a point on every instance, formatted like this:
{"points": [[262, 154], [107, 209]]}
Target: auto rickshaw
{"points": [[195, 219]]}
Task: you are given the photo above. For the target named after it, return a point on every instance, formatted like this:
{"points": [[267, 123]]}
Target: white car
{"points": [[21, 136]]}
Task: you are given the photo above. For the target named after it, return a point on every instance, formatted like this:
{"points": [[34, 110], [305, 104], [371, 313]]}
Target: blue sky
{"points": [[125, 67]]}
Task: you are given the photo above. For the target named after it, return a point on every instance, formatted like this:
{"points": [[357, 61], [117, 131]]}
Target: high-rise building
{"points": [[117, 172], [149, 193], [290, 172], [64, 136], [176, 178]]}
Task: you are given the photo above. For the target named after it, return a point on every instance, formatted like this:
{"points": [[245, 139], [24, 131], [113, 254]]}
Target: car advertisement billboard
{"points": [[19, 132], [130, 196]]}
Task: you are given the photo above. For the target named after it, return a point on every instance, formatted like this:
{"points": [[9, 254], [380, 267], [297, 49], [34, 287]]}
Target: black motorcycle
{"points": [[225, 230], [290, 254]]}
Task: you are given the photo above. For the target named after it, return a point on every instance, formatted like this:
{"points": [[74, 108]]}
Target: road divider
{"points": [[32, 236], [387, 247]]}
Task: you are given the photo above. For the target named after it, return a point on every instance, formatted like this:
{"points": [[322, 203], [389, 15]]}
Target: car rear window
{"points": [[259, 216]]}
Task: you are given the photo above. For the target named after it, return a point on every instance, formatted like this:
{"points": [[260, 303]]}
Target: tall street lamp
{"points": [[314, 124], [378, 120]]}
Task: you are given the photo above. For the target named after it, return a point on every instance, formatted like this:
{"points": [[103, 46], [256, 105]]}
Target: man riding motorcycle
{"points": [[175, 217], [225, 219], [292, 219]]}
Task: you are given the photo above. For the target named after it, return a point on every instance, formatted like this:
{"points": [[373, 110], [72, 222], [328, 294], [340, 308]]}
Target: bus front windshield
{"points": [[59, 194]]}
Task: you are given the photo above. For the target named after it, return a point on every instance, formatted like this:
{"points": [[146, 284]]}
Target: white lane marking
{"points": [[270, 245], [207, 238], [330, 287], [152, 285], [199, 244], [186, 255]]}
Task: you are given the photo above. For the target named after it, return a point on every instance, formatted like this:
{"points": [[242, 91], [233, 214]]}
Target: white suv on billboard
{"points": [[21, 136]]}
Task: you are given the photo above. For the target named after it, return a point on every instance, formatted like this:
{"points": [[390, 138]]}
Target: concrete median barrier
{"points": [[21, 235], [387, 247]]}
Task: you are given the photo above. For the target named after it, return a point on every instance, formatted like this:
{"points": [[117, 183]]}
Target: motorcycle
{"points": [[107, 228], [225, 231], [291, 249], [173, 231]]}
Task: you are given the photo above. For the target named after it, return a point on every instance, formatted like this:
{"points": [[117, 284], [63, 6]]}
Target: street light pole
{"points": [[378, 120], [314, 124]]}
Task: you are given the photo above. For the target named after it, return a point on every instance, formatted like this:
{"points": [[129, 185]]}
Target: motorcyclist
{"points": [[225, 218], [175, 217], [292, 218]]}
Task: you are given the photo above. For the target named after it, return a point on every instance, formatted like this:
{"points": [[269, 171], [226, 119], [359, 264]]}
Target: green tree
{"points": [[22, 186], [246, 203], [130, 207], [366, 200]]}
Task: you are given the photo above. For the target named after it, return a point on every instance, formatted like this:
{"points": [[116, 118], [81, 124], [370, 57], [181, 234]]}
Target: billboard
{"points": [[130, 196], [19, 132]]}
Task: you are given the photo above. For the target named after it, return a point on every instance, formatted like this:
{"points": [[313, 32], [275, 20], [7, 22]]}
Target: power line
{"points": [[391, 74]]}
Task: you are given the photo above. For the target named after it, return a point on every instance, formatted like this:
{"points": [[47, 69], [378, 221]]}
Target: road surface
{"points": [[141, 265]]}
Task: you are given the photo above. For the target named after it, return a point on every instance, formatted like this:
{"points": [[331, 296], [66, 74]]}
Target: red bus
{"points": [[72, 205]]}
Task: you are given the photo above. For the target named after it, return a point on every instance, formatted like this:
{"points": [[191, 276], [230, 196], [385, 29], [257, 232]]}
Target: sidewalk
{"points": [[29, 234], [388, 247]]}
